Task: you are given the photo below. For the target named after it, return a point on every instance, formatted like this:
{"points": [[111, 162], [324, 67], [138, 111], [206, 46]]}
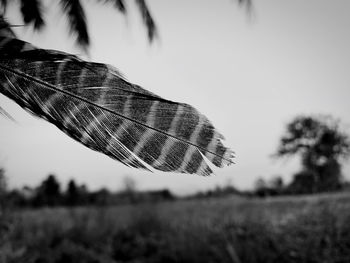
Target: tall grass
{"points": [[231, 229]]}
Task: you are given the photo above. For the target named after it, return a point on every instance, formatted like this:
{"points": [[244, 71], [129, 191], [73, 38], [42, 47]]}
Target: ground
{"points": [[228, 229]]}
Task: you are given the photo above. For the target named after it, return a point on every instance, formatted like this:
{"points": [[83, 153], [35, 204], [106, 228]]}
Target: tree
{"points": [[32, 14], [100, 197], [303, 182], [322, 147], [48, 193], [3, 188], [3, 181], [75, 194], [72, 194], [276, 182], [276, 185], [260, 187], [129, 185], [129, 189]]}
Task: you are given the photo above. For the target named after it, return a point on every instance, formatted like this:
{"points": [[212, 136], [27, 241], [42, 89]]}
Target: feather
{"points": [[95, 105], [3, 4]]}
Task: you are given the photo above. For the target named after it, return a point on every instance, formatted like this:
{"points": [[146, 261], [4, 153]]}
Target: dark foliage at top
{"points": [[32, 12], [77, 20]]}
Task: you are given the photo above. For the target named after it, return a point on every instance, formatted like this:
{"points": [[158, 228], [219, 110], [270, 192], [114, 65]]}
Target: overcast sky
{"points": [[250, 74]]}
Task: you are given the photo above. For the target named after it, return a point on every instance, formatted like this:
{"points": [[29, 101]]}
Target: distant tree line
{"points": [[50, 194], [319, 142], [217, 191], [276, 186]]}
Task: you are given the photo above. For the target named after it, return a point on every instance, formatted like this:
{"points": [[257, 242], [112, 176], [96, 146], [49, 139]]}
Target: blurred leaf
{"points": [[3, 4], [32, 13], [147, 19], [77, 21], [119, 4]]}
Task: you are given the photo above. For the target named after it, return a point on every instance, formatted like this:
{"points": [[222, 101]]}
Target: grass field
{"points": [[230, 229]]}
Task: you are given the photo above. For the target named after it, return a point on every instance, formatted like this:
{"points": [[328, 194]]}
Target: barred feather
{"points": [[95, 105]]}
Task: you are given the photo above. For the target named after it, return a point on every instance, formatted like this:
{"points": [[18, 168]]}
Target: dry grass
{"points": [[231, 229]]}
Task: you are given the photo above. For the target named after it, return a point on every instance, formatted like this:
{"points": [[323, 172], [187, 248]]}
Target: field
{"points": [[230, 229]]}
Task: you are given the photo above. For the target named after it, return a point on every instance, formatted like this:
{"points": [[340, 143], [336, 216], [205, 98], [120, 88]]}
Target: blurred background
{"points": [[271, 75]]}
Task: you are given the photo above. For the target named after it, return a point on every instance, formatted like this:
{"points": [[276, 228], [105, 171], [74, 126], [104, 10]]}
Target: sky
{"points": [[250, 73]]}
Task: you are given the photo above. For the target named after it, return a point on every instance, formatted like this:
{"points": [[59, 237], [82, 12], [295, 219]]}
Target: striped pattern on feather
{"points": [[95, 105]]}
